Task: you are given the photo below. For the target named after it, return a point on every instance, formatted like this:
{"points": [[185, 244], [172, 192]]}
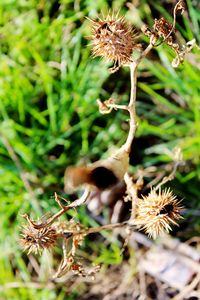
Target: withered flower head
{"points": [[35, 240], [164, 29], [157, 211], [114, 40]]}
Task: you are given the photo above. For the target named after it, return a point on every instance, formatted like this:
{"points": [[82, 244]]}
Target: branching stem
{"points": [[132, 102], [64, 208], [100, 228]]}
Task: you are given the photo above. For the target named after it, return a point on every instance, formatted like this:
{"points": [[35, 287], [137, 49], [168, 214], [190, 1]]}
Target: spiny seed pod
{"points": [[155, 212], [114, 40], [102, 174], [35, 240]]}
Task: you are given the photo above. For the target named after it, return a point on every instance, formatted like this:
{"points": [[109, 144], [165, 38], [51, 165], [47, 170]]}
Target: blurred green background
{"points": [[49, 119]]}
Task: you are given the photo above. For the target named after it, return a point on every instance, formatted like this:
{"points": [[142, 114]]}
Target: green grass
{"points": [[49, 117]]}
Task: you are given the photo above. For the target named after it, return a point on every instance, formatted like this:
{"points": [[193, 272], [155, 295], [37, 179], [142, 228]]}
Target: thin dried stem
{"points": [[97, 229], [132, 102], [131, 107], [107, 107], [133, 192], [170, 177], [174, 22], [144, 53], [51, 220], [101, 228], [117, 106]]}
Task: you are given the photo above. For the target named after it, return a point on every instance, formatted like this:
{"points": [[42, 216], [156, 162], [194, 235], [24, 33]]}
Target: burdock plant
{"points": [[156, 211], [116, 41]]}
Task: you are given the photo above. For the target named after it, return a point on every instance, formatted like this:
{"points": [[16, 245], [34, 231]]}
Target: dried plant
{"points": [[166, 31], [156, 211], [113, 39], [35, 240]]}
